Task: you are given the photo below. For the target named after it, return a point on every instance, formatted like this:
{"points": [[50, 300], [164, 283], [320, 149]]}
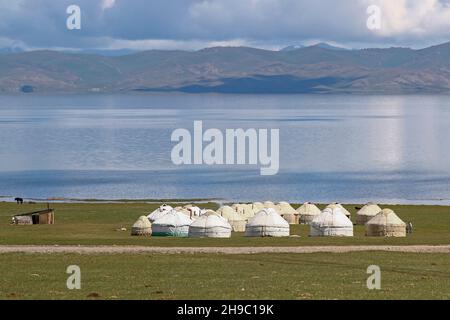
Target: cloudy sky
{"points": [[194, 24]]}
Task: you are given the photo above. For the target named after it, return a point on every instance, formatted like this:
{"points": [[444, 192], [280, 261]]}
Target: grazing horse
{"points": [[19, 200]]}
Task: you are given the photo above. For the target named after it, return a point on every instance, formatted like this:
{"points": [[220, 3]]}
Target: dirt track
{"points": [[221, 250]]}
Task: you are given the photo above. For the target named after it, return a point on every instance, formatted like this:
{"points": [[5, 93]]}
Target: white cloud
{"points": [[190, 24], [408, 18], [108, 4]]}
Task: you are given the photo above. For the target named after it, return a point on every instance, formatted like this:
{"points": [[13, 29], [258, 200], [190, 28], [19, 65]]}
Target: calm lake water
{"points": [[332, 148]]}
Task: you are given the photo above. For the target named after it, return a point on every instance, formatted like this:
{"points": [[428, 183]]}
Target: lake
{"points": [[347, 148]]}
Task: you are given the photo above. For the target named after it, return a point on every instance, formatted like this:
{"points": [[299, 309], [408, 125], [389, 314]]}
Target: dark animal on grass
{"points": [[19, 200], [409, 228]]}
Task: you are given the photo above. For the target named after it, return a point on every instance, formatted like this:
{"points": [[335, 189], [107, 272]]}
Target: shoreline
{"points": [[438, 202]]}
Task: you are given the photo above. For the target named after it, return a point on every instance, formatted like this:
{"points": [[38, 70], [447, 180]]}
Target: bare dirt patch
{"points": [[219, 250]]}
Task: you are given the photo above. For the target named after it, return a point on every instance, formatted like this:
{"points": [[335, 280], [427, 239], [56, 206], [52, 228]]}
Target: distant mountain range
{"points": [[315, 69]]}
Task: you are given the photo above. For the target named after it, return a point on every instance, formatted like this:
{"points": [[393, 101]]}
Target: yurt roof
{"points": [[345, 211], [229, 213], [142, 222], [308, 208], [285, 208], [209, 212], [332, 216], [386, 217], [268, 204], [210, 221], [183, 210], [370, 209], [174, 218], [268, 217], [159, 212]]}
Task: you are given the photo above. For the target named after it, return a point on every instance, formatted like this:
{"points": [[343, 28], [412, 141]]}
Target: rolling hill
{"points": [[313, 69]]}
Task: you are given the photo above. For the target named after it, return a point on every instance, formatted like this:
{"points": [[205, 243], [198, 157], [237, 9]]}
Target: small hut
{"points": [[46, 216], [367, 212], [331, 222], [210, 225], [142, 227], [344, 211], [288, 213], [172, 224], [386, 224], [308, 211], [267, 223], [236, 221]]}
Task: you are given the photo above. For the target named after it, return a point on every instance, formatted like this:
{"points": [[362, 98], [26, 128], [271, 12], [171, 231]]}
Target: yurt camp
{"points": [[367, 212], [210, 225], [289, 214], [344, 211], [142, 227], [236, 221], [386, 224], [307, 212], [172, 224], [158, 213], [331, 222], [267, 223]]}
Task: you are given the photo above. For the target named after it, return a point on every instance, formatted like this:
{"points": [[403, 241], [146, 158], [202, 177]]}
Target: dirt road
{"points": [[221, 250]]}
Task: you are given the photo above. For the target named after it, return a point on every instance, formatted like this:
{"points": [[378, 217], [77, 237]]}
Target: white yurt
{"points": [[331, 222], [256, 206], [307, 212], [287, 212], [158, 213], [236, 221], [344, 211], [386, 224], [267, 223], [367, 212], [245, 210], [172, 224], [142, 227], [269, 204], [226, 212], [210, 225], [194, 210], [186, 212]]}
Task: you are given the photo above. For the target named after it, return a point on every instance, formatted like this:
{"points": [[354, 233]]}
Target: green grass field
{"points": [[207, 276], [216, 276], [96, 224]]}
